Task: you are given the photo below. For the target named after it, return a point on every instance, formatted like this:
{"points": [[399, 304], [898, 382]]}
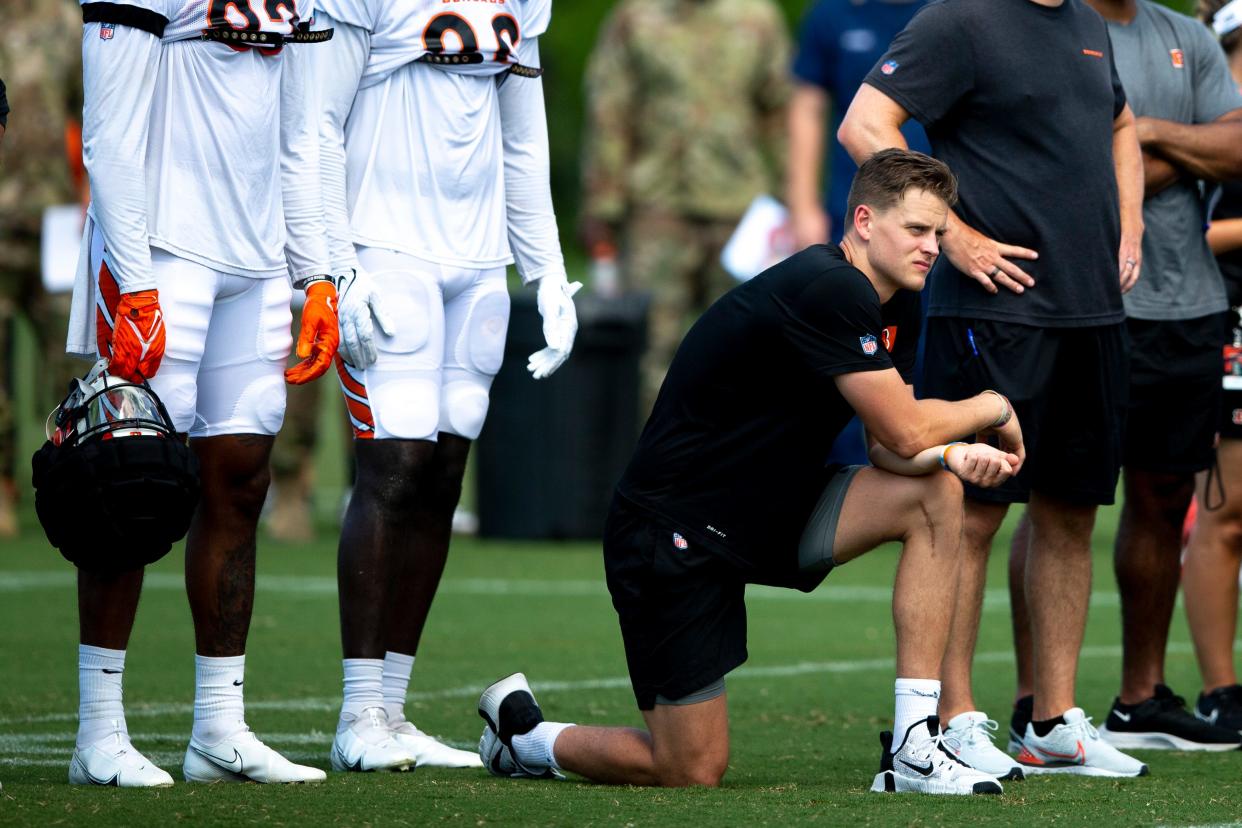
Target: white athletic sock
{"points": [[535, 749], [397, 669], [219, 711], [100, 712], [364, 685], [916, 700]]}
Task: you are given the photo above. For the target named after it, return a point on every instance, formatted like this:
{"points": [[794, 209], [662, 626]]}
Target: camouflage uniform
{"points": [[686, 104], [41, 63]]}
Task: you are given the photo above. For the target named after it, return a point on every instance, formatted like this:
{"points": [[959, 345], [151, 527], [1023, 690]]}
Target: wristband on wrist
{"points": [[303, 284], [1006, 415], [944, 454]]}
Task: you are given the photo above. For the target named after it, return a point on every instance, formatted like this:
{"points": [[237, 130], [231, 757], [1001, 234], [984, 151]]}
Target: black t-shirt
{"points": [[734, 453], [1230, 207], [1019, 100]]}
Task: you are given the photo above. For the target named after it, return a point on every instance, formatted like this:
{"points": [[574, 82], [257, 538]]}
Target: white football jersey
{"points": [[361, 14], [474, 37], [213, 153], [451, 166]]}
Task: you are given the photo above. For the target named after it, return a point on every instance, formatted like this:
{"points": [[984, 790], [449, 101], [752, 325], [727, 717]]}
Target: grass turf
{"points": [[805, 709]]}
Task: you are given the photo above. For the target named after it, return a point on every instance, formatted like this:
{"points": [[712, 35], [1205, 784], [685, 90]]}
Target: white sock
{"points": [[219, 711], [364, 682], [100, 712], [535, 749], [916, 700], [397, 669]]}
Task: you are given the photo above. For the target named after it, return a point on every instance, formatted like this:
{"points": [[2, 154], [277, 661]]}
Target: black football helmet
{"points": [[115, 486]]}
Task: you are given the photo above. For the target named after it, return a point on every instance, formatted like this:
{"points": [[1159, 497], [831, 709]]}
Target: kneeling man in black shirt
{"points": [[728, 487]]}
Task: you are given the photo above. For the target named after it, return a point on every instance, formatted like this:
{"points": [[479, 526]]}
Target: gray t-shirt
{"points": [[1172, 68]]}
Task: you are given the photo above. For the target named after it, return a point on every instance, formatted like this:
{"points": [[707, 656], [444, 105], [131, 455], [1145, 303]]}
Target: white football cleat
{"points": [[1075, 747], [114, 761], [924, 765], [969, 737], [509, 708], [364, 743], [243, 758], [429, 752]]}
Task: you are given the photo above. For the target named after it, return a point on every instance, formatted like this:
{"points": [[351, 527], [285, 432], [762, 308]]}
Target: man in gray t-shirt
{"points": [[1189, 120]]}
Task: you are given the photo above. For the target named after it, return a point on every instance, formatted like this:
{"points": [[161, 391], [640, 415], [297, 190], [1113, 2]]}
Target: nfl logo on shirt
{"points": [[680, 542], [869, 345], [1178, 57], [106, 30], [889, 67]]}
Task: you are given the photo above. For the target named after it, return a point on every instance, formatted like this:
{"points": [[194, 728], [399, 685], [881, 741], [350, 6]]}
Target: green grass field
{"points": [[805, 710]]}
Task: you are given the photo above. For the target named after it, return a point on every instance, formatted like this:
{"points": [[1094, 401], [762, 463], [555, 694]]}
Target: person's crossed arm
{"points": [[914, 437]]}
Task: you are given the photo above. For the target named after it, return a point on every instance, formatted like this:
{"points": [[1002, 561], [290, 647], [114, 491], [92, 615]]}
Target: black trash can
{"points": [[552, 450]]}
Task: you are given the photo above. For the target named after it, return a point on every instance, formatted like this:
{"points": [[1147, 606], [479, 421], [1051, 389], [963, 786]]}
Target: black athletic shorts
{"points": [[1068, 386], [1175, 393], [682, 608]]}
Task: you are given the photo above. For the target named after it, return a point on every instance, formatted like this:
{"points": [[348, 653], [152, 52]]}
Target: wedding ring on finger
{"points": [[994, 272]]}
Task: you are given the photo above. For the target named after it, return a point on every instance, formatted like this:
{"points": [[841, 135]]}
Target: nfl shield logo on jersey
{"points": [[869, 345], [680, 542], [889, 67], [106, 30]]}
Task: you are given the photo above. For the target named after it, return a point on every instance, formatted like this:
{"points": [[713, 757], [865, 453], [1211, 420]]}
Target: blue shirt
{"points": [[840, 41]]}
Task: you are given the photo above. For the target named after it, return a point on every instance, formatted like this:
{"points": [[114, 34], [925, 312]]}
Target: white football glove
{"points": [[358, 299], [560, 323]]}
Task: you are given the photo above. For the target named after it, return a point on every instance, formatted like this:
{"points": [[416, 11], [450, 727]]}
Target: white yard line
{"points": [[333, 703], [994, 599]]}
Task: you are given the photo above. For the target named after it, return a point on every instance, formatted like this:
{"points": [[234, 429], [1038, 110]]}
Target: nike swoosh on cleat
{"points": [[94, 780], [224, 763], [238, 683], [111, 672], [1078, 757], [925, 771], [1125, 717]]}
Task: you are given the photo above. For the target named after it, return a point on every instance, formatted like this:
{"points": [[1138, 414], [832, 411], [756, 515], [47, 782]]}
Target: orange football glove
{"points": [[137, 344], [320, 336]]}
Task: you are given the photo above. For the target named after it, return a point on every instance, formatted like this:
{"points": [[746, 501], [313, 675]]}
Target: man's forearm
{"points": [[1158, 174], [1225, 235], [925, 462], [1210, 151], [807, 111], [1128, 167]]}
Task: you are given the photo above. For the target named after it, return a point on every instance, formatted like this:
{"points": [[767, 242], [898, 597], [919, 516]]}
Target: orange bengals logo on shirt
{"points": [[1178, 57], [1095, 53], [889, 336]]}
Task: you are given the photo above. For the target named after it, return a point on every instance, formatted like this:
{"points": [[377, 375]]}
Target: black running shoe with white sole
{"points": [[1163, 723], [509, 709], [1221, 707]]}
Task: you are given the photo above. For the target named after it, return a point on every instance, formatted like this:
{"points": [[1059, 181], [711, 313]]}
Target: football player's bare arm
{"points": [[977, 463], [906, 426], [872, 123]]}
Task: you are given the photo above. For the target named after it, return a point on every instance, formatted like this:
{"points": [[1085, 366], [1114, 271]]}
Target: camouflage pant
{"points": [[677, 261], [21, 292]]}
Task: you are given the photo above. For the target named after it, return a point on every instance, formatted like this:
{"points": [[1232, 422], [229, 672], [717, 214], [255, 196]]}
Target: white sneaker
{"points": [[429, 752], [969, 737], [114, 761], [924, 765], [1075, 747], [243, 758], [364, 743], [509, 708]]}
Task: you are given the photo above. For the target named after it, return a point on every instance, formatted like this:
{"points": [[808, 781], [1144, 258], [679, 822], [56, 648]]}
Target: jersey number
{"points": [[243, 11], [442, 24]]}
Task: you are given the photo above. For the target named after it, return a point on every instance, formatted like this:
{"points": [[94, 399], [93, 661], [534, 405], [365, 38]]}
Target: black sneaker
{"points": [[1021, 717], [1163, 723], [1222, 707]]}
